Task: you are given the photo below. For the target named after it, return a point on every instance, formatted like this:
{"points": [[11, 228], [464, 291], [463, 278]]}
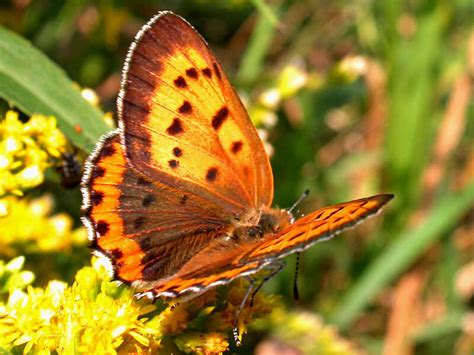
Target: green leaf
{"points": [[413, 117], [252, 63], [450, 323], [34, 84], [402, 253]]}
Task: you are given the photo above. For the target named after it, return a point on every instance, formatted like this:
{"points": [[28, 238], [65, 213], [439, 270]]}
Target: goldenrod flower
{"points": [[202, 343], [42, 232], [306, 333], [85, 318], [26, 150], [97, 315], [12, 277]]}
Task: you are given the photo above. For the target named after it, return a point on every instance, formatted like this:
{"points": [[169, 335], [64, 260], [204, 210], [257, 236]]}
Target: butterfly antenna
{"points": [[235, 328], [296, 294], [302, 197]]}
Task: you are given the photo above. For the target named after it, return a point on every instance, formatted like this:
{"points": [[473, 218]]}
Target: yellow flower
{"points": [[26, 150], [43, 232], [351, 67], [12, 277], [86, 317], [202, 343], [174, 319], [306, 333], [97, 315], [291, 80]]}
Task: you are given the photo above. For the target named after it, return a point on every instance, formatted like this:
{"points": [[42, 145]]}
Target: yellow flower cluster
{"points": [[37, 230], [12, 276], [92, 316], [288, 83], [26, 150], [305, 333], [293, 78], [96, 315]]}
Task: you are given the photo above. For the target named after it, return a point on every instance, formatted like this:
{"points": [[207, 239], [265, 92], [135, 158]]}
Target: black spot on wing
{"points": [[173, 163], [176, 127], [220, 117], [236, 147], [102, 227], [107, 151], [98, 172], [217, 71], [180, 82], [148, 200], [185, 108], [212, 174], [207, 72], [192, 73], [97, 197], [115, 253], [177, 152]]}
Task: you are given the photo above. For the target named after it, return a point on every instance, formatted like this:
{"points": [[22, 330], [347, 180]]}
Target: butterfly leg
{"points": [[275, 268], [235, 329]]}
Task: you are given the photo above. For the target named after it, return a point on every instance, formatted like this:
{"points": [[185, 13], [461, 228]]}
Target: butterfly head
{"points": [[259, 223]]}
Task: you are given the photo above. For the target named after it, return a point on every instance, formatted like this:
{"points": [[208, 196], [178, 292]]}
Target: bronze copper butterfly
{"points": [[179, 197]]}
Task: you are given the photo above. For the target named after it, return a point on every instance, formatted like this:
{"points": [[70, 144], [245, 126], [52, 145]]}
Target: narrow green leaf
{"points": [[449, 324], [402, 253], [412, 64], [253, 59], [34, 84], [266, 11]]}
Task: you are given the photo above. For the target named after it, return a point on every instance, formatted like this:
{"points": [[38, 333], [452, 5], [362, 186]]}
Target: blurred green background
{"points": [[371, 97]]}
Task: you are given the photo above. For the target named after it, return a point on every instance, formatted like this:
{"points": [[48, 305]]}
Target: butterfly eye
{"points": [[254, 232]]}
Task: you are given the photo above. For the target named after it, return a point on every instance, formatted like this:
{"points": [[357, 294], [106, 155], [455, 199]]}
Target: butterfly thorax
{"points": [[258, 223]]}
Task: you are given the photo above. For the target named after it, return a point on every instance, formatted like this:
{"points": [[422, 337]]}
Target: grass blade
{"points": [[402, 253], [253, 59]]}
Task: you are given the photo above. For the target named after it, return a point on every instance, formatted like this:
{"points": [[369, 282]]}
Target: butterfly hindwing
{"points": [[183, 122], [319, 225], [146, 230]]}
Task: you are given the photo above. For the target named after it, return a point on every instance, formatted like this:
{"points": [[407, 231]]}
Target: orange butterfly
{"points": [[178, 198]]}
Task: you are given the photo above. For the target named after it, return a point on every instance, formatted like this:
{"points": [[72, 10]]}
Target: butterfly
{"points": [[178, 198]]}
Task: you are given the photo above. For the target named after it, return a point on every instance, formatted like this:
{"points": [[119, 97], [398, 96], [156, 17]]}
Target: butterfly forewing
{"points": [[183, 122]]}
